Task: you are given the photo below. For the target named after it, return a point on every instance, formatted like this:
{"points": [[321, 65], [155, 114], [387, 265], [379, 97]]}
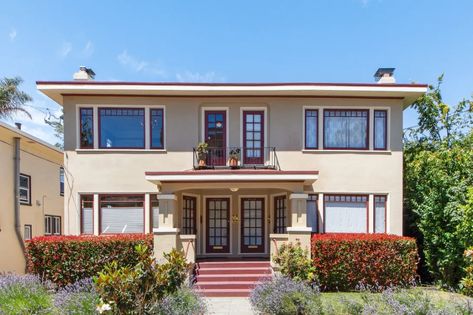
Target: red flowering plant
{"points": [[345, 261], [67, 259]]}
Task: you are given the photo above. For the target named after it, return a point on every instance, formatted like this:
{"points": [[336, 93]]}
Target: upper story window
{"points": [[380, 133], [86, 128], [157, 128], [311, 132], [61, 181], [25, 189], [122, 128], [346, 129]]}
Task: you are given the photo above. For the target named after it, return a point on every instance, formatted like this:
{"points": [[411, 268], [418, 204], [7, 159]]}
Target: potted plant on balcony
{"points": [[202, 151], [234, 157]]}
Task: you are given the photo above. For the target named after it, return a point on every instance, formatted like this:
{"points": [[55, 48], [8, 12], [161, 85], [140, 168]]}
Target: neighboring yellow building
{"points": [[40, 202]]}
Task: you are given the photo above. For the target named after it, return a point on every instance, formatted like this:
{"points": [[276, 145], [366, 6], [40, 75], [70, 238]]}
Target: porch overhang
{"points": [[228, 176]]}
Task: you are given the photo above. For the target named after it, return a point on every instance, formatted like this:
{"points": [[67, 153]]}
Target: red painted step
{"points": [[230, 278]]}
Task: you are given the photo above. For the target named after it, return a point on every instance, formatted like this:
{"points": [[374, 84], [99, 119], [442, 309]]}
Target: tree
{"points": [[12, 100], [57, 123], [438, 171]]}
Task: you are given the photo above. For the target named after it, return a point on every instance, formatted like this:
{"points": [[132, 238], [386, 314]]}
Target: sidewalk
{"points": [[229, 306]]}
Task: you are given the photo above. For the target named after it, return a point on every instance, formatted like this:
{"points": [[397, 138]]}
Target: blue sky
{"points": [[236, 41]]}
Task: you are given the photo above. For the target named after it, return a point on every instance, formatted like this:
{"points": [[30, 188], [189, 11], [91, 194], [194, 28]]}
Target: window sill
{"points": [[325, 151], [122, 150]]}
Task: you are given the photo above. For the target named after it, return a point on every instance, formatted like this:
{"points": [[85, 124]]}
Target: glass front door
{"points": [[253, 137], [216, 137], [218, 225], [252, 225]]}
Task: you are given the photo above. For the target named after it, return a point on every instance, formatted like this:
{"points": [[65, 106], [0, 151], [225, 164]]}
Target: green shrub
{"points": [[344, 261], [466, 284], [24, 295], [135, 289], [185, 301], [295, 262], [68, 259]]}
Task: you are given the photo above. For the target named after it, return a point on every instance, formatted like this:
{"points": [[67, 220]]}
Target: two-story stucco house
{"points": [[310, 158], [31, 193]]}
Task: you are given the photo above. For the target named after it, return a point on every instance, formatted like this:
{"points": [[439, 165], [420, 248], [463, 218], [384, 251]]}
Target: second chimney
{"points": [[385, 75], [84, 73]]}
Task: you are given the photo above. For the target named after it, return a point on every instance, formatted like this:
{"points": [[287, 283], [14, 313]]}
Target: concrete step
{"points": [[233, 264], [225, 292], [226, 285], [232, 277]]}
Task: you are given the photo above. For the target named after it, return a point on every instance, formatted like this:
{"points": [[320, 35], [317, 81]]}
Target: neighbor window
{"points": [[86, 128], [87, 214], [312, 213], [380, 133], [280, 213], [345, 129], [346, 213], [311, 128], [380, 214], [28, 233], [52, 225], [121, 214], [122, 128], [189, 215], [157, 128], [154, 210], [25, 189], [61, 181]]}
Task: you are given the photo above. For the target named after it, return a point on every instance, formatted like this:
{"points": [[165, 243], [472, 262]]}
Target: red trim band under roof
{"points": [[91, 82]]}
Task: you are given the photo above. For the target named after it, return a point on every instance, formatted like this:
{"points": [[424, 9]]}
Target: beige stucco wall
{"points": [[42, 164], [118, 171]]}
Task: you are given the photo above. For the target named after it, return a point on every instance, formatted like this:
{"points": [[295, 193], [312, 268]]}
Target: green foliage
{"points": [[135, 289], [57, 123], [295, 262], [184, 301], [12, 100], [466, 284], [438, 171]]}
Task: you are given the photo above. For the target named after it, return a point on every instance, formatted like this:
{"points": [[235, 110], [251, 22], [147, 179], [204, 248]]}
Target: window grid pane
{"points": [[311, 128], [87, 213], [28, 232], [346, 129], [86, 135], [380, 214], [380, 129], [189, 215], [157, 128], [312, 212], [280, 221], [122, 128], [25, 189]]}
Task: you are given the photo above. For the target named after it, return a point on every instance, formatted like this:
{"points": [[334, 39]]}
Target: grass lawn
{"points": [[440, 298]]}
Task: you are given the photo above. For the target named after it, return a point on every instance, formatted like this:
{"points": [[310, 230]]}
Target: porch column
{"points": [[166, 235], [299, 232]]}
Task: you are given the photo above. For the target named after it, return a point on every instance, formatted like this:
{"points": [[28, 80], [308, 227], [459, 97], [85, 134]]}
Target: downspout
{"points": [[16, 176]]}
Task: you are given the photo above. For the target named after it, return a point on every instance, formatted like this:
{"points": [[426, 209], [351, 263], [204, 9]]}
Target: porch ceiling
{"points": [[232, 176]]}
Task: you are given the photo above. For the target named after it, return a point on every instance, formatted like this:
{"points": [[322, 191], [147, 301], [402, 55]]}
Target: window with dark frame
{"points": [[345, 213], [312, 213], [280, 214], [52, 225], [380, 133], [86, 136], [157, 128], [121, 214], [346, 129], [154, 202], [121, 128], [311, 130], [61, 181], [87, 214], [380, 213], [189, 211], [28, 232], [25, 189]]}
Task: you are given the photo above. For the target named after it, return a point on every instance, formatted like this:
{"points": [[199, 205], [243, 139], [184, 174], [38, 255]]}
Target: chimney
{"points": [[84, 73], [385, 76], [18, 125]]}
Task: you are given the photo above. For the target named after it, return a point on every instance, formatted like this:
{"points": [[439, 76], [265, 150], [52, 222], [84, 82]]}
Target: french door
{"points": [[218, 225], [252, 225], [216, 137], [253, 137]]}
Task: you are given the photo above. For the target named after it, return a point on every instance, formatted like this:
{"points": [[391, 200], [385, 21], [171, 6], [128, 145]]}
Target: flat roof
{"points": [[56, 90]]}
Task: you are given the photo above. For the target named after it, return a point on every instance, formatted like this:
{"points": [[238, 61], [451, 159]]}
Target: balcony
{"points": [[236, 158]]}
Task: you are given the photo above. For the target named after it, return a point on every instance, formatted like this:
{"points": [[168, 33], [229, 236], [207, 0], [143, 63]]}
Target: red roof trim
{"points": [[232, 172], [226, 84]]}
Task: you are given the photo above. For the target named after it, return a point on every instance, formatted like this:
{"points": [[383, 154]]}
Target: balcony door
{"points": [[252, 225], [253, 137], [216, 137], [218, 225]]}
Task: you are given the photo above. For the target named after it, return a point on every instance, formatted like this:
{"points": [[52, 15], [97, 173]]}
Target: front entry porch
{"points": [[233, 218]]}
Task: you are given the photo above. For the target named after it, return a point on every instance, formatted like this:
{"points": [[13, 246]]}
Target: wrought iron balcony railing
{"points": [[236, 157]]}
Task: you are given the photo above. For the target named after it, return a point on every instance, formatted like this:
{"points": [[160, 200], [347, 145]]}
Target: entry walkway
{"points": [[229, 306]]}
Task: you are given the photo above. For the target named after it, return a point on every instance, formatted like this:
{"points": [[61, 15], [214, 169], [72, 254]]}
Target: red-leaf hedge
{"points": [[66, 259], [342, 261]]}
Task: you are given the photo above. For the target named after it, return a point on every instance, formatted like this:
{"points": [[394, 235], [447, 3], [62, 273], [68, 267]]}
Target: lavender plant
{"points": [[282, 295], [185, 301], [78, 298]]}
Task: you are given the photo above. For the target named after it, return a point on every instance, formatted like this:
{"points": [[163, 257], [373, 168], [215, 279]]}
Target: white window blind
{"points": [[122, 220], [312, 215], [345, 214], [380, 214], [87, 221]]}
